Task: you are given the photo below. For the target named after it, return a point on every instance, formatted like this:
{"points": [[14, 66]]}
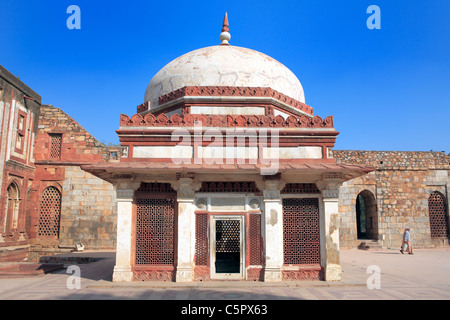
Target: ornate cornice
{"points": [[190, 120], [223, 91]]}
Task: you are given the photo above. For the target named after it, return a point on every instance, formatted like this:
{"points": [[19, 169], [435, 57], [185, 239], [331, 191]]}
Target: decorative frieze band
{"points": [[190, 120], [222, 91]]}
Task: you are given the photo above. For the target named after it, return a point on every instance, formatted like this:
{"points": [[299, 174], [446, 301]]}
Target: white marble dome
{"points": [[224, 65]]}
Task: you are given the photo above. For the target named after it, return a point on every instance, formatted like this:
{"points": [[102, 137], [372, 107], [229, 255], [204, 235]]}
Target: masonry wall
{"points": [[401, 185], [88, 211], [78, 145], [19, 111], [88, 208]]}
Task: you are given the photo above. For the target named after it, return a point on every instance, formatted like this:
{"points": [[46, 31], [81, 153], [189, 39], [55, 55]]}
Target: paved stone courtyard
{"points": [[423, 275]]}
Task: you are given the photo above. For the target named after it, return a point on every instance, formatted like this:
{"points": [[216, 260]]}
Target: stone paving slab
{"points": [[422, 276], [225, 284]]}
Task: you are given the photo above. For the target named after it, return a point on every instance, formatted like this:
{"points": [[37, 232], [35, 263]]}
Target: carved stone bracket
{"points": [[271, 186], [186, 186], [330, 184], [125, 189]]}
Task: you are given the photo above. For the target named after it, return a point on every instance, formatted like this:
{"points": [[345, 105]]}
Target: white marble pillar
{"points": [[185, 187], [273, 230], [122, 269], [329, 185]]}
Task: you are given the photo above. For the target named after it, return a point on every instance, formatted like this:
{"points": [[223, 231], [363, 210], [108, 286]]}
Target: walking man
{"points": [[407, 240]]}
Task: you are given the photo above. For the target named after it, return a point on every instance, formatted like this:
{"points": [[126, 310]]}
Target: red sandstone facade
{"points": [[48, 204], [19, 112], [65, 196]]}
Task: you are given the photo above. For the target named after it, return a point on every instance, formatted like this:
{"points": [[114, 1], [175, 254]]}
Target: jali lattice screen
{"points": [[55, 145], [49, 213], [201, 240], [228, 236], [438, 215], [255, 239], [155, 231], [301, 235]]}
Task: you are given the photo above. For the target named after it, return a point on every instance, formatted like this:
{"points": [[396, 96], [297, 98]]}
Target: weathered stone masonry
{"points": [[19, 111], [401, 185], [87, 208]]}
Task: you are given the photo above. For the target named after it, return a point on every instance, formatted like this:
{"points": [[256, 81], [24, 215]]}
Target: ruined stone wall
{"points": [[88, 212], [88, 206], [401, 185], [78, 145]]}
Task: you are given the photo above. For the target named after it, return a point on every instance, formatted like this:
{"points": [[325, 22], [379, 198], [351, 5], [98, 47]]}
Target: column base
{"points": [[184, 275], [333, 272], [273, 275], [122, 274]]}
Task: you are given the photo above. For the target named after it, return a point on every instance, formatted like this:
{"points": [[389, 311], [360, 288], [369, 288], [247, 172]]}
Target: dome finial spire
{"points": [[225, 35], [225, 26]]}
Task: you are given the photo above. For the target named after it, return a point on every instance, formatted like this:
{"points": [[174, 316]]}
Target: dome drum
{"points": [[219, 97]]}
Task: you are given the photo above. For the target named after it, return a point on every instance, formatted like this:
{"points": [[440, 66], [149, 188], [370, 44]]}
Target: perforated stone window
{"points": [[55, 145], [438, 215], [155, 225], [228, 236], [255, 239], [301, 234], [50, 213], [201, 240]]}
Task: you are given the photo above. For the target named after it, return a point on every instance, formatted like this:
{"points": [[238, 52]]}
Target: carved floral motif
{"points": [[297, 275], [214, 91], [255, 274], [149, 120], [201, 273], [153, 275]]}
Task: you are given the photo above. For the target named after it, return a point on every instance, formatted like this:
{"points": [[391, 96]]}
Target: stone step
{"points": [[14, 270], [369, 245]]}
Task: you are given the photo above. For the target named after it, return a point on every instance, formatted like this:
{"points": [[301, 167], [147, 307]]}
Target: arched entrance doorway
{"points": [[366, 216]]}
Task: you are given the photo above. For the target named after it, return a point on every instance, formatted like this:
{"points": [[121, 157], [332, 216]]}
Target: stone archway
{"points": [[366, 216]]}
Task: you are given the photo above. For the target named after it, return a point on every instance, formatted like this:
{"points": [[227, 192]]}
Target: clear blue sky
{"points": [[387, 89]]}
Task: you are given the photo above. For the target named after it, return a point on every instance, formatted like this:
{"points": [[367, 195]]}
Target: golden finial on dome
{"points": [[225, 36]]}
